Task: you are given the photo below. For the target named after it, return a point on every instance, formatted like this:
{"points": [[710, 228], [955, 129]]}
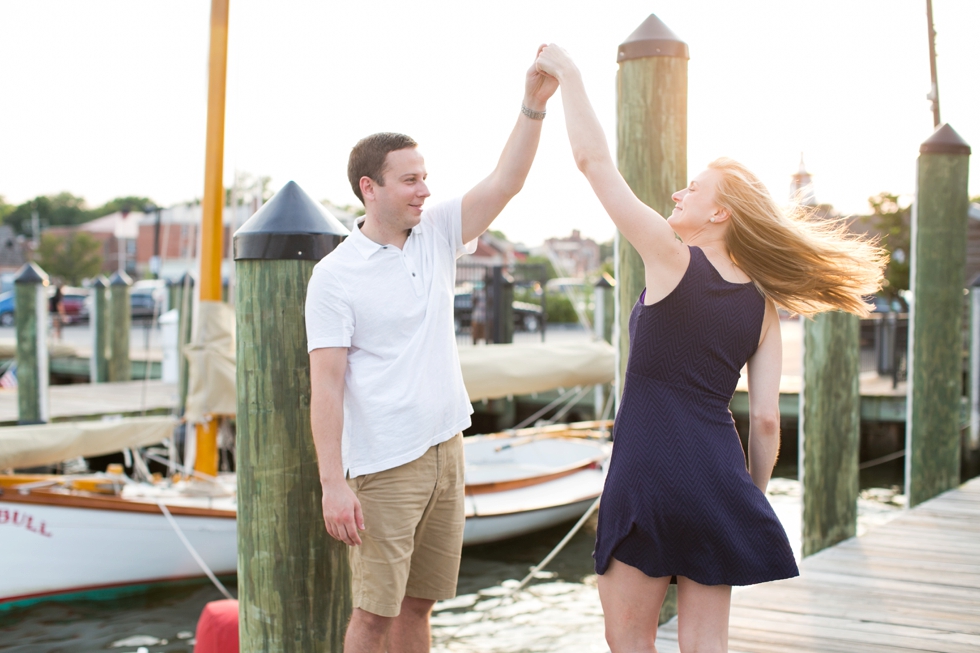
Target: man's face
{"points": [[399, 201]]}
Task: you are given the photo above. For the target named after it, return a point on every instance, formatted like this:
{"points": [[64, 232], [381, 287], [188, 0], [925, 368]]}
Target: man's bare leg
{"points": [[410, 630], [367, 632]]}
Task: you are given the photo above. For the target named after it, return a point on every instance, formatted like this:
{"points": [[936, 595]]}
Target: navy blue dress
{"points": [[678, 499]]}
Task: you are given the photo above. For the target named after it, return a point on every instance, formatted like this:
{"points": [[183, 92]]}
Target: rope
{"points": [[544, 410], [884, 459], [190, 549], [571, 404], [534, 570], [184, 470]]}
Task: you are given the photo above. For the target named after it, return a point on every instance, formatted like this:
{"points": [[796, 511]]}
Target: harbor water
{"points": [[558, 611]]}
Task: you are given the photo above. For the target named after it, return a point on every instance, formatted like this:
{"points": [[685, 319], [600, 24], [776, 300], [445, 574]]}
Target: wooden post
{"points": [[31, 315], [971, 449], [939, 218], [99, 324], [652, 151], [830, 429], [185, 324], [602, 327], [120, 318], [173, 294], [293, 578], [502, 298]]}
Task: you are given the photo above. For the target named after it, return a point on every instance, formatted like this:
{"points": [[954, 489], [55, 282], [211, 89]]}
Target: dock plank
{"points": [[912, 584]]}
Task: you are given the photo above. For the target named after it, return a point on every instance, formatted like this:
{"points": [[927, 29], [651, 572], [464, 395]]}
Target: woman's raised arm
{"points": [[643, 227]]}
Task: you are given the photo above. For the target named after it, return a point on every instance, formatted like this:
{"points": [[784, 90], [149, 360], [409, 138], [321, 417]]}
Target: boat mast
{"points": [[206, 460]]}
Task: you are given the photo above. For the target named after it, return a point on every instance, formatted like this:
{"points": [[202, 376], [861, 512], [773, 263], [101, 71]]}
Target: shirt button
{"points": [[413, 274]]}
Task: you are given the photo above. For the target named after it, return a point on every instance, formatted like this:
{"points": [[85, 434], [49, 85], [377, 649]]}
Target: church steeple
{"points": [[801, 189]]}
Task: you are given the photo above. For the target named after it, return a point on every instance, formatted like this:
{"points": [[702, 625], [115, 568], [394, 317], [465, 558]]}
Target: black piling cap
{"points": [[290, 226], [945, 140], [31, 273], [100, 282], [120, 278], [652, 39], [187, 278]]}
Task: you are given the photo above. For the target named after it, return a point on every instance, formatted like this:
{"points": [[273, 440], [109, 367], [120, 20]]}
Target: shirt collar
{"points": [[365, 245]]}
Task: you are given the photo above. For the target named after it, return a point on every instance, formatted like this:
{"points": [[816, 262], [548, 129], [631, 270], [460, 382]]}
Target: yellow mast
{"points": [[206, 460]]}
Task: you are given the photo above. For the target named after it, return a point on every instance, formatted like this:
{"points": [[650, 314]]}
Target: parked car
{"points": [[527, 316], [7, 308], [74, 302], [883, 304], [146, 299]]}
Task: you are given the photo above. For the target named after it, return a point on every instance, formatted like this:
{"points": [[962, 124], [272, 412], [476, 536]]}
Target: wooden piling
{"points": [[502, 313], [31, 320], [120, 319], [99, 325], [294, 579], [939, 220], [652, 151], [185, 324], [971, 448], [601, 324], [829, 429]]}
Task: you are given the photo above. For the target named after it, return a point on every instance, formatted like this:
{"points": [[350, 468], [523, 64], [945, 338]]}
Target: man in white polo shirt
{"points": [[388, 401]]}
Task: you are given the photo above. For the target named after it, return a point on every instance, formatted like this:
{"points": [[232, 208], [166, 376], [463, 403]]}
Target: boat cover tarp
{"points": [[49, 444], [8, 349], [489, 372], [497, 371], [211, 363]]}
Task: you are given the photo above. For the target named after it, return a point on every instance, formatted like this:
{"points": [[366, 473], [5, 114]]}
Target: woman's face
{"points": [[695, 205]]}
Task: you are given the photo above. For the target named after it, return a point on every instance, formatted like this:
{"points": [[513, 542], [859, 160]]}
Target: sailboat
{"points": [[91, 533]]}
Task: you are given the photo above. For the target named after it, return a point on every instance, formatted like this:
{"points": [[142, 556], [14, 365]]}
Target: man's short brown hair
{"points": [[368, 157]]}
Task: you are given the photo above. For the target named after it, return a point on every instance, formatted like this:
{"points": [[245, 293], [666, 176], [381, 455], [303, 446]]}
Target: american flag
{"points": [[9, 379]]}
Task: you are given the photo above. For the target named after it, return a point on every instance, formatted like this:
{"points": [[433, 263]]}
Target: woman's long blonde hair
{"points": [[804, 263]]}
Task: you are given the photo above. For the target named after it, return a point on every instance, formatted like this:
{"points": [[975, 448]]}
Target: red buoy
{"points": [[217, 629]]}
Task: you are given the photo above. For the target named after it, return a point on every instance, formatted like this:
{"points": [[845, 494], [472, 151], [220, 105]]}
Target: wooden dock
{"points": [[90, 401], [912, 584]]}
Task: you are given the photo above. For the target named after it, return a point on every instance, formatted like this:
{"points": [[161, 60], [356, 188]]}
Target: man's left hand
{"points": [[538, 87]]}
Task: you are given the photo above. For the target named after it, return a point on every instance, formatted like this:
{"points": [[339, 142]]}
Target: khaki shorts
{"points": [[413, 519]]}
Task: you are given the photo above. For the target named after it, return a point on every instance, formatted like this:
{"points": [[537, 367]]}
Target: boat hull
{"points": [[68, 542], [85, 549]]}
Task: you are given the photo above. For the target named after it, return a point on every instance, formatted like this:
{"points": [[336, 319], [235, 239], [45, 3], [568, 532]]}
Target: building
{"points": [[573, 256], [117, 232], [801, 188]]}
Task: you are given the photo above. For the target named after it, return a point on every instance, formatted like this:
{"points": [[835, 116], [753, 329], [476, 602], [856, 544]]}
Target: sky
{"points": [[107, 98]]}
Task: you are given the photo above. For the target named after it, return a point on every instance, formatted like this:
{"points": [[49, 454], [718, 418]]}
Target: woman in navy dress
{"points": [[680, 500]]}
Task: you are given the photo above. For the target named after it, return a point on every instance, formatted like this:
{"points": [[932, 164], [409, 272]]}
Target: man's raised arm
{"points": [[486, 200]]}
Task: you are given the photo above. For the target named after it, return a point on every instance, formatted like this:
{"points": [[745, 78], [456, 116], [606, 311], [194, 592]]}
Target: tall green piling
{"points": [[293, 578], [99, 322], [939, 220], [31, 321], [184, 298], [652, 150], [120, 368], [829, 429]]}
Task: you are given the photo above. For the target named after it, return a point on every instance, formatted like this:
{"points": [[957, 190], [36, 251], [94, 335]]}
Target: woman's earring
{"points": [[711, 219]]}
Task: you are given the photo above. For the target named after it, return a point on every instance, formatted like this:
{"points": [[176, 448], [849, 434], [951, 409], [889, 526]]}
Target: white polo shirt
{"points": [[393, 309]]}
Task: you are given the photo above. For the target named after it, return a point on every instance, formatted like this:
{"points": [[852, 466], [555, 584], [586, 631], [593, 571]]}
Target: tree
{"points": [[5, 209], [70, 258], [63, 209], [893, 222], [128, 204], [549, 269]]}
